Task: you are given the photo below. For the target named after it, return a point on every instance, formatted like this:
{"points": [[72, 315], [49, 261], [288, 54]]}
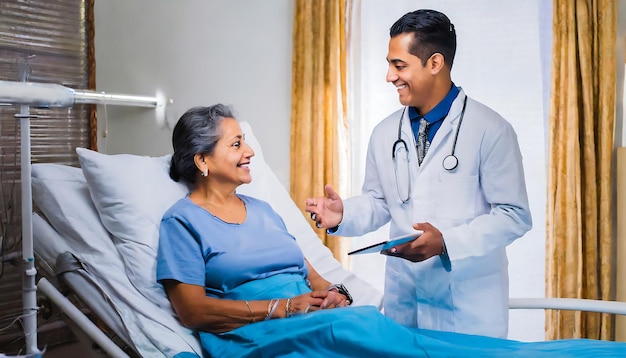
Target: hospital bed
{"points": [[95, 234]]}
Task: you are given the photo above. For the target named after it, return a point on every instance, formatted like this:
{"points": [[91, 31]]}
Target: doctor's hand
{"points": [[326, 211], [429, 244]]}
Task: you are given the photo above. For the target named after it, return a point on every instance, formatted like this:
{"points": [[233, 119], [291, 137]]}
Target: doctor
{"points": [[467, 194]]}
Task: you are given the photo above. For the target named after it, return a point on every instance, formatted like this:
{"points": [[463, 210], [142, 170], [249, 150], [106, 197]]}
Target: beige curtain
{"points": [[318, 103], [579, 245]]}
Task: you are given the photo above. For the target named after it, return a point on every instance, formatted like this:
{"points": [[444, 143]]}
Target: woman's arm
{"points": [[316, 280], [197, 311], [318, 283]]}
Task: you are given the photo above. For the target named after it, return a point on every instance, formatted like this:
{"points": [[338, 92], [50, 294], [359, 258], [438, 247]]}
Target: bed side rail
{"points": [[80, 319], [571, 304]]}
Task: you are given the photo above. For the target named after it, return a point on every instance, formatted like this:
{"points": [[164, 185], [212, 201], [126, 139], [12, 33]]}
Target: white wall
{"points": [[197, 53]]}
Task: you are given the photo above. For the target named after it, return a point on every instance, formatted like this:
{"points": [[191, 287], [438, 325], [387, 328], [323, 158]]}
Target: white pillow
{"points": [[61, 194], [131, 194]]}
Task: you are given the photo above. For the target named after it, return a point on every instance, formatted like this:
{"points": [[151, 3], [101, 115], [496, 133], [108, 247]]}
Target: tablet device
{"points": [[387, 244]]}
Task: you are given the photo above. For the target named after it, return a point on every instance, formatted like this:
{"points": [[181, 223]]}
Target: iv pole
{"points": [[27, 94]]}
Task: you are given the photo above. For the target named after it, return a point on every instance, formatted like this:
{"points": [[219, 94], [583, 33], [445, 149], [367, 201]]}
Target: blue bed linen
{"points": [[364, 332]]}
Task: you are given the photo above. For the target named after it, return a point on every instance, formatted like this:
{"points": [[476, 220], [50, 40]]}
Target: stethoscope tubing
{"points": [[456, 135], [449, 163], [458, 127]]}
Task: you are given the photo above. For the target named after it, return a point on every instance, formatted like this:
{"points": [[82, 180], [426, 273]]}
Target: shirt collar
{"points": [[440, 111]]}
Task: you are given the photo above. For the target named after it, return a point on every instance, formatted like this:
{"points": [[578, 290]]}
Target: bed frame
{"points": [[92, 337]]}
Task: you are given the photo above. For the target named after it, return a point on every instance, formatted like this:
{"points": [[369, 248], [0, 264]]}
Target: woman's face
{"points": [[231, 157]]}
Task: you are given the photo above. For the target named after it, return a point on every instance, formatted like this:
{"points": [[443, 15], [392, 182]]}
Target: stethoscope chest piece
{"points": [[450, 162]]}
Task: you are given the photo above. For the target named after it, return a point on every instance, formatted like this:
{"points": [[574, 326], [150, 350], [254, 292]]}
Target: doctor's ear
{"points": [[436, 62]]}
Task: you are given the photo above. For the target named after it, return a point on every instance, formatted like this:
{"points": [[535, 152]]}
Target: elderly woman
{"points": [[234, 273], [217, 247]]}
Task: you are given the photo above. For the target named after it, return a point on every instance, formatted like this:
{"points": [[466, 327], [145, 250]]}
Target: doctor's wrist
{"points": [[332, 230], [444, 250]]}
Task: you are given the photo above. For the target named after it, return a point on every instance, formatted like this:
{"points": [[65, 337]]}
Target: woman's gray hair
{"points": [[197, 131]]}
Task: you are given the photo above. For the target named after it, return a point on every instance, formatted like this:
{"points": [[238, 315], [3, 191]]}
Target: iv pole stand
{"points": [[49, 95]]}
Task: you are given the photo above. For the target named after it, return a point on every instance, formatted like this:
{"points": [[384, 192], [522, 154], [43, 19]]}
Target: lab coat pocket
{"points": [[479, 307], [400, 299], [455, 196]]}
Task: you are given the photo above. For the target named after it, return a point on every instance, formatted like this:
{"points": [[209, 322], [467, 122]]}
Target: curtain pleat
{"points": [[318, 103], [579, 244]]}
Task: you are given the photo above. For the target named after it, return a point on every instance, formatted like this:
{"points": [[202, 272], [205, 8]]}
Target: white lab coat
{"points": [[480, 207]]}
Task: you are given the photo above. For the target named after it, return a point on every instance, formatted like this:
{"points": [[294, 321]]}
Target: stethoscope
{"points": [[449, 163]]}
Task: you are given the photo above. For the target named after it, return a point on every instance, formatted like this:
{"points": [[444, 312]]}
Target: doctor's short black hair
{"points": [[432, 32], [197, 131]]}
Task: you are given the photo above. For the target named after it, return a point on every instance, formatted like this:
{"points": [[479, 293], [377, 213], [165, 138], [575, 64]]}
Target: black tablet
{"points": [[387, 244]]}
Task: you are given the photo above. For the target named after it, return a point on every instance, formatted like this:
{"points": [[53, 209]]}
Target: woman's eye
{"points": [[237, 144]]}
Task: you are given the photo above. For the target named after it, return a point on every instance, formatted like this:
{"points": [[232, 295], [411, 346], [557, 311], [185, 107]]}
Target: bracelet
{"points": [[288, 308], [271, 308], [251, 314]]}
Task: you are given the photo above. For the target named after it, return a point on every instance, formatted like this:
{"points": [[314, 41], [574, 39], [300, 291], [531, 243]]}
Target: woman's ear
{"points": [[198, 159]]}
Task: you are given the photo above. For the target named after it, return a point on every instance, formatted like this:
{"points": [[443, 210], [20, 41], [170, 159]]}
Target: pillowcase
{"points": [[72, 223], [61, 194], [131, 194]]}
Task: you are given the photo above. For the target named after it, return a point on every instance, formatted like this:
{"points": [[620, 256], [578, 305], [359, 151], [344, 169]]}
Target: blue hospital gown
{"points": [[198, 248]]}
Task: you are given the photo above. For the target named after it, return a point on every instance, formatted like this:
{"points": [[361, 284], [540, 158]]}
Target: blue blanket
{"points": [[364, 332]]}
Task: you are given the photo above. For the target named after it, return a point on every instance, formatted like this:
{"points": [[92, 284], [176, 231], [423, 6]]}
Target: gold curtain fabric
{"points": [[318, 102], [579, 245]]}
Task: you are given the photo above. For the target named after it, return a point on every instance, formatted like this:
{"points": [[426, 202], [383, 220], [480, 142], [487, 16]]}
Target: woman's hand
{"points": [[333, 300], [305, 303], [313, 301]]}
